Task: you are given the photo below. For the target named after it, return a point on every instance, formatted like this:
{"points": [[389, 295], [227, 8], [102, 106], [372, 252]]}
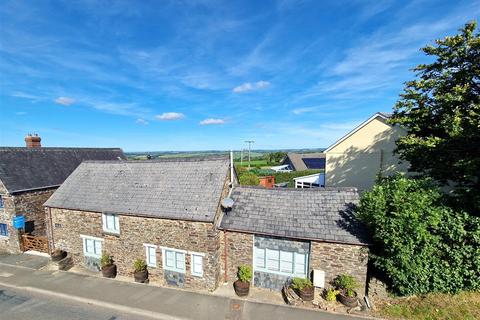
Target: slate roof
{"points": [[296, 159], [181, 189], [23, 169], [324, 214]]}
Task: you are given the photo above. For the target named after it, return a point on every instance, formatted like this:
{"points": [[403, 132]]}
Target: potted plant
{"points": [[331, 295], [140, 273], [304, 288], [58, 255], [242, 285], [346, 285], [109, 269]]}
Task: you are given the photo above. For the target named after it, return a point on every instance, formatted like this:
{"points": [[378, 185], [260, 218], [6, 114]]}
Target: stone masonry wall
{"points": [[29, 204], [200, 237], [239, 252], [336, 259], [9, 244]]}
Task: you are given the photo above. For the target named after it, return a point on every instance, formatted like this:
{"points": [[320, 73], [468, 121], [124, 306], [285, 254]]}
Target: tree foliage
{"points": [[420, 244], [441, 111], [275, 157], [249, 179]]}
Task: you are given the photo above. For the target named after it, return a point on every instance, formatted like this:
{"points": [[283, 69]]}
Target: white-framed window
{"points": [[110, 223], [92, 246], [280, 262], [151, 254], [173, 259], [196, 264], [1, 202]]}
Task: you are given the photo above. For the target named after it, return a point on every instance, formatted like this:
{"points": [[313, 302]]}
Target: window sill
{"points": [[177, 271], [4, 237], [110, 233], [200, 276]]}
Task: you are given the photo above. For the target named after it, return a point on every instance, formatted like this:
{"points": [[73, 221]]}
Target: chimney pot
{"points": [[33, 141]]}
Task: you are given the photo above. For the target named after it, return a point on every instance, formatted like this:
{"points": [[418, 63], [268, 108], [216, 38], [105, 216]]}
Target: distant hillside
{"points": [[255, 154]]}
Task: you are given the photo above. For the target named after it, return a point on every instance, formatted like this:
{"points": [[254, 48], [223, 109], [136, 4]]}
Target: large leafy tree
{"points": [[441, 111], [420, 245]]}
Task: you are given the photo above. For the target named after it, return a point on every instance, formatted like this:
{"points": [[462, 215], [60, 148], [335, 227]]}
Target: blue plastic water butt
{"points": [[19, 222]]}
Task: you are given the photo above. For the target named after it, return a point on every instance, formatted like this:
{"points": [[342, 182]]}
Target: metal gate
{"points": [[36, 243]]}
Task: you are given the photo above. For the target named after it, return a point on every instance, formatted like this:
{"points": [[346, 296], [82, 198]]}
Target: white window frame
{"points": [[182, 269], [257, 252], [192, 263], [147, 254], [84, 244], [116, 223], [2, 204]]}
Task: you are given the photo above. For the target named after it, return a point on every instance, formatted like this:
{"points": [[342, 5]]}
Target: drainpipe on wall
{"points": [[50, 240]]}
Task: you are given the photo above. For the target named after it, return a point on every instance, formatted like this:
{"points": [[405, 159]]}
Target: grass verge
{"points": [[438, 306]]}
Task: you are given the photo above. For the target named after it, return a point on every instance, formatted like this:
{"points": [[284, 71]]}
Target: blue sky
{"points": [[203, 75]]}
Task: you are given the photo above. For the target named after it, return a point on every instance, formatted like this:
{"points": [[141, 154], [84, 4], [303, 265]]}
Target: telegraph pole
{"points": [[249, 144]]}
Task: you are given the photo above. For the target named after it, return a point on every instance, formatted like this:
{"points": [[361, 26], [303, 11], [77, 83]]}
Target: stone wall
{"points": [[11, 243], [126, 247], [29, 204], [239, 252], [336, 259], [332, 258]]}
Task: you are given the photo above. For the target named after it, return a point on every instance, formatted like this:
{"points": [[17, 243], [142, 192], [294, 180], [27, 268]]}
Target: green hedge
{"points": [[420, 244]]}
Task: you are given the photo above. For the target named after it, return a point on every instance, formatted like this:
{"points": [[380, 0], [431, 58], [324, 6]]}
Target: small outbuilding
{"points": [[286, 233]]}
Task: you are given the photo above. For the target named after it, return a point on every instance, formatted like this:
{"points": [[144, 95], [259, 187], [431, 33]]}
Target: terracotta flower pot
{"points": [[307, 293], [109, 271], [242, 288], [141, 276], [348, 301]]}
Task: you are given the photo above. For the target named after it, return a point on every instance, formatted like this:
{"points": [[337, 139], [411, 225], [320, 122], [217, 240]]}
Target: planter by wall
{"points": [[307, 293], [109, 271], [141, 276], [242, 288], [58, 255], [348, 301]]}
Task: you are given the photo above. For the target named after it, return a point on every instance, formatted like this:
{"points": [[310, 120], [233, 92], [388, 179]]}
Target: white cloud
{"points": [[210, 121], [251, 86], [65, 101], [20, 113], [303, 110], [166, 116], [141, 121]]}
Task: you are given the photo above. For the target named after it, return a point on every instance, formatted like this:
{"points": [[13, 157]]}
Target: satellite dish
{"points": [[227, 203]]}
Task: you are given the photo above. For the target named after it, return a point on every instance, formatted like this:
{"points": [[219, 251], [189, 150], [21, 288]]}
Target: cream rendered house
{"points": [[356, 159]]}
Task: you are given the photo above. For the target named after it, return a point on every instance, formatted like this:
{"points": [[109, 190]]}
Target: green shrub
{"points": [[244, 273], [331, 295], [301, 283], [106, 260], [139, 265], [420, 244], [345, 282], [249, 179]]}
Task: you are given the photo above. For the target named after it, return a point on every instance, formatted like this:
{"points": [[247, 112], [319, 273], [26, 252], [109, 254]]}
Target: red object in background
{"points": [[267, 181]]}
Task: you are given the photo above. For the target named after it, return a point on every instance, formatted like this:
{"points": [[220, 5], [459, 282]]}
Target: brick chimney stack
{"points": [[33, 141]]}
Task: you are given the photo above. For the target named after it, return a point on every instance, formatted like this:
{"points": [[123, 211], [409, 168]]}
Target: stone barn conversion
{"points": [[162, 211], [28, 177], [286, 233]]}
